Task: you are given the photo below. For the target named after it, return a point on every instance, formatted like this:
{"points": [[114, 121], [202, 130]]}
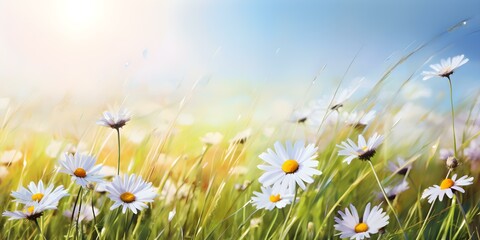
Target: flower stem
{"points": [[93, 212], [464, 217], [39, 229], [386, 199], [292, 206], [453, 117], [425, 221], [118, 141], [78, 214], [75, 205]]}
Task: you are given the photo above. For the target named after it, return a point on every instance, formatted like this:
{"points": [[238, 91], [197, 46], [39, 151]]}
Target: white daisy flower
{"points": [[130, 192], [335, 102], [393, 192], [256, 222], [359, 119], [445, 68], [32, 212], [85, 213], [313, 116], [242, 136], [271, 198], [82, 169], [10, 157], [401, 168], [212, 138], [289, 166], [39, 193], [108, 171], [172, 192], [301, 115], [447, 186], [115, 120], [352, 226], [364, 151]]}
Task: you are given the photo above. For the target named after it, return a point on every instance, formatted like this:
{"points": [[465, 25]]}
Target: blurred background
{"points": [[226, 57]]}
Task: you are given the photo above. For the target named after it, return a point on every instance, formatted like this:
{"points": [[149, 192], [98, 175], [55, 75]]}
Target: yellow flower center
{"points": [[30, 209], [446, 183], [361, 227], [275, 198], [37, 197], [127, 197], [80, 172], [290, 166], [365, 148]]}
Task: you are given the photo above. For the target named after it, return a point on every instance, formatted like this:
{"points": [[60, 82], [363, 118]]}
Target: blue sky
{"points": [[295, 39], [275, 47]]}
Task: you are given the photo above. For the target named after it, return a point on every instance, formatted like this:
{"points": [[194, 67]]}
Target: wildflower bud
{"points": [[452, 162], [310, 226], [255, 222], [91, 186], [310, 230]]}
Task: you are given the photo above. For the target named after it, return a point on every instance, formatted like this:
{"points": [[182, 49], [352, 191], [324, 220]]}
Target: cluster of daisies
{"points": [[126, 191], [295, 164], [288, 168]]}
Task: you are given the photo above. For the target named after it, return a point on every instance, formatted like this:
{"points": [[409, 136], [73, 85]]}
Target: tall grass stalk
{"points": [[388, 201], [464, 215], [453, 117], [420, 232]]}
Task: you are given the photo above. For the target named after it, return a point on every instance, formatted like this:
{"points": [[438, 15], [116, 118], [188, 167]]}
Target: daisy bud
{"points": [[310, 227], [452, 162], [91, 186], [255, 222]]}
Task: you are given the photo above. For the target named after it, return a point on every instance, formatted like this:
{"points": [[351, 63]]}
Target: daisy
{"points": [[335, 102], [81, 168], [359, 119], [172, 191], [352, 226], [313, 115], [241, 137], [301, 115], [271, 198], [445, 68], [39, 193], [212, 138], [401, 168], [32, 212], [85, 213], [130, 192], [115, 120], [289, 166], [10, 157], [364, 151], [447, 186], [393, 192]]}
